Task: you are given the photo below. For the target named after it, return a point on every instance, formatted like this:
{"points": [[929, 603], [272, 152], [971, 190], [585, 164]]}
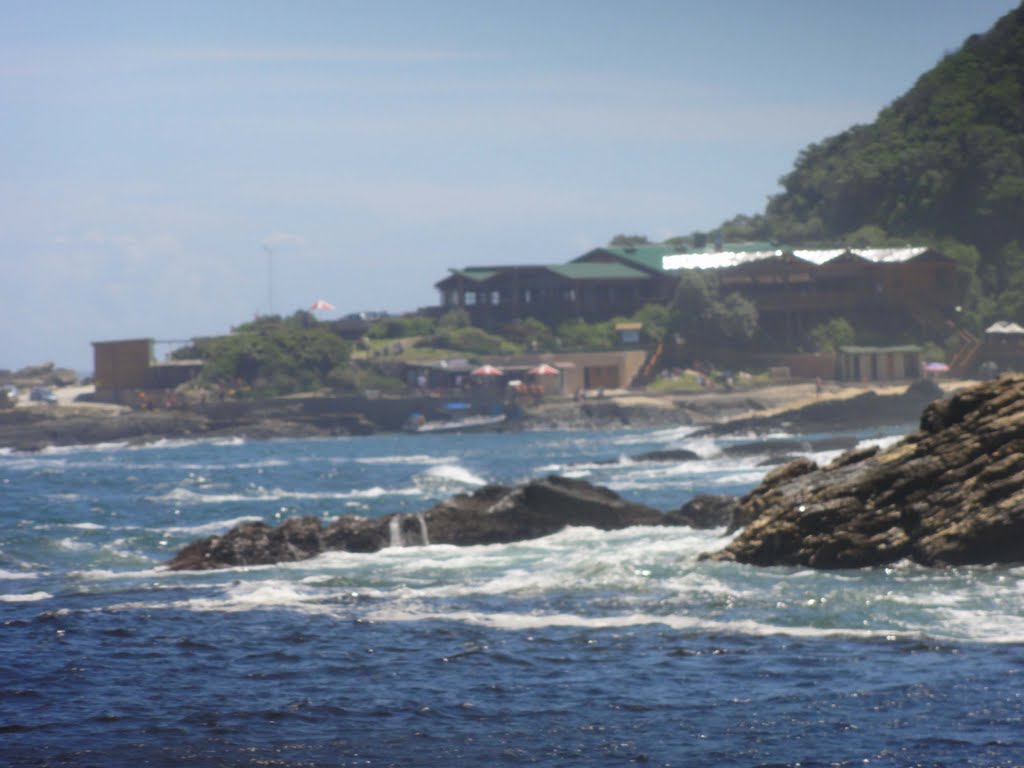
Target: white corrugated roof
{"points": [[726, 259], [719, 260], [1004, 327]]}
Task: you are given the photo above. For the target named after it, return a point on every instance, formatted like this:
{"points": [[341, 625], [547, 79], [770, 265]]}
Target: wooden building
{"points": [[869, 364], [552, 294], [121, 364], [1003, 346], [793, 290], [123, 368]]}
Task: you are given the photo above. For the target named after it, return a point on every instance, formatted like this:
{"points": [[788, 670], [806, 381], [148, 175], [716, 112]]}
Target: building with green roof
{"points": [[553, 293], [793, 290]]}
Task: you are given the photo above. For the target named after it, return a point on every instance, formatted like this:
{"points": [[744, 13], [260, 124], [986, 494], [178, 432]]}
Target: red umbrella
{"points": [[488, 370], [544, 370], [321, 304]]}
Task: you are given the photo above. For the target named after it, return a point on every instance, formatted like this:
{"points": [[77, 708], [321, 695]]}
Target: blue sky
{"points": [[153, 151]]}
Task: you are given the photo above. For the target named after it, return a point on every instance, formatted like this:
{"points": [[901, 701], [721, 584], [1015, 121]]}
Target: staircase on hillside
{"points": [[646, 373], [964, 358], [963, 361]]}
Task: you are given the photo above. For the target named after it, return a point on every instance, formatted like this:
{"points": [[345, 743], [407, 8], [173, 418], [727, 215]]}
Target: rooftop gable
{"points": [[647, 257], [598, 270]]}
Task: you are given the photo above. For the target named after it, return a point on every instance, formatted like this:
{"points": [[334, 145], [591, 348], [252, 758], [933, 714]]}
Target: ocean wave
{"points": [[259, 464], [671, 435], [534, 621], [212, 527], [63, 450], [450, 474], [74, 545], [30, 597], [416, 458], [17, 575], [187, 496]]}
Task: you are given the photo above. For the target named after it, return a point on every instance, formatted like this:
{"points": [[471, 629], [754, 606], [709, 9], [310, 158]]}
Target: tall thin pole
{"points": [[270, 277]]}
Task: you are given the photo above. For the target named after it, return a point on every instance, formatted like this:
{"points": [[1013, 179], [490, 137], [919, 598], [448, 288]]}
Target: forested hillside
{"points": [[944, 164]]}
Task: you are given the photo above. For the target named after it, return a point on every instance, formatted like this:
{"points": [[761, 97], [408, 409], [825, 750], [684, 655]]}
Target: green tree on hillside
{"points": [[273, 355], [701, 316], [623, 241], [943, 164]]}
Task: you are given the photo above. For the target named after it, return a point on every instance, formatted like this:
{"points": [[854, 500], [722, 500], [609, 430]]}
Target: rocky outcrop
{"points": [[492, 515], [706, 511], [32, 429], [864, 410], [951, 493]]}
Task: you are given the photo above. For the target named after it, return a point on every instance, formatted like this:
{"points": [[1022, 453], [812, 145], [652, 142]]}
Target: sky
{"points": [[173, 169]]}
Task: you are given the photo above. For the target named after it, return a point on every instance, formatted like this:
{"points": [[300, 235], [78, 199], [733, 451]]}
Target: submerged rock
{"points": [[705, 511], [493, 514], [951, 493]]}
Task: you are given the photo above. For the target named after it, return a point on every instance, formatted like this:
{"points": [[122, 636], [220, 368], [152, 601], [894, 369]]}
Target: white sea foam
{"points": [[414, 459], [63, 450], [229, 441], [671, 435], [260, 464], [212, 527], [188, 496], [87, 526], [12, 575], [31, 597], [537, 621], [882, 442], [452, 473], [104, 574], [74, 545]]}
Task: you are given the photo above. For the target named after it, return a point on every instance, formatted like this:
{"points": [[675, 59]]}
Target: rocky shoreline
{"points": [[39, 426], [951, 493]]}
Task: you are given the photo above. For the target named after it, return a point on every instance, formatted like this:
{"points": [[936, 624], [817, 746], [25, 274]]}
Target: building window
{"points": [[453, 299], [527, 296], [495, 298], [469, 299]]}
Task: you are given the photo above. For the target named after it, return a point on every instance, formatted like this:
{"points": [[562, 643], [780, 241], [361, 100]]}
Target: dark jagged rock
{"points": [[493, 514], [254, 544], [705, 511], [952, 493], [670, 454]]}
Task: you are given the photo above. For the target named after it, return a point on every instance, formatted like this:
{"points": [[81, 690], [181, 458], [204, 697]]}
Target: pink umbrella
{"points": [[488, 370], [321, 304], [543, 370]]}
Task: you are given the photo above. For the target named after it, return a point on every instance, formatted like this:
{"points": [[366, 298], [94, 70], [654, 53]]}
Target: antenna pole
{"points": [[270, 277]]}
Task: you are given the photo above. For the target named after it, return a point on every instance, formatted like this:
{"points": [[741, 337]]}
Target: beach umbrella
{"points": [[321, 304], [488, 370], [543, 370]]}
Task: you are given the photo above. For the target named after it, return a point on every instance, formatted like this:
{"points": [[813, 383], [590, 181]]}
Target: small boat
{"points": [[418, 425]]}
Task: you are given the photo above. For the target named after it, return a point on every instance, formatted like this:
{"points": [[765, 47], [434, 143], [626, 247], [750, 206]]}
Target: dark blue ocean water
{"points": [[584, 648]]}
